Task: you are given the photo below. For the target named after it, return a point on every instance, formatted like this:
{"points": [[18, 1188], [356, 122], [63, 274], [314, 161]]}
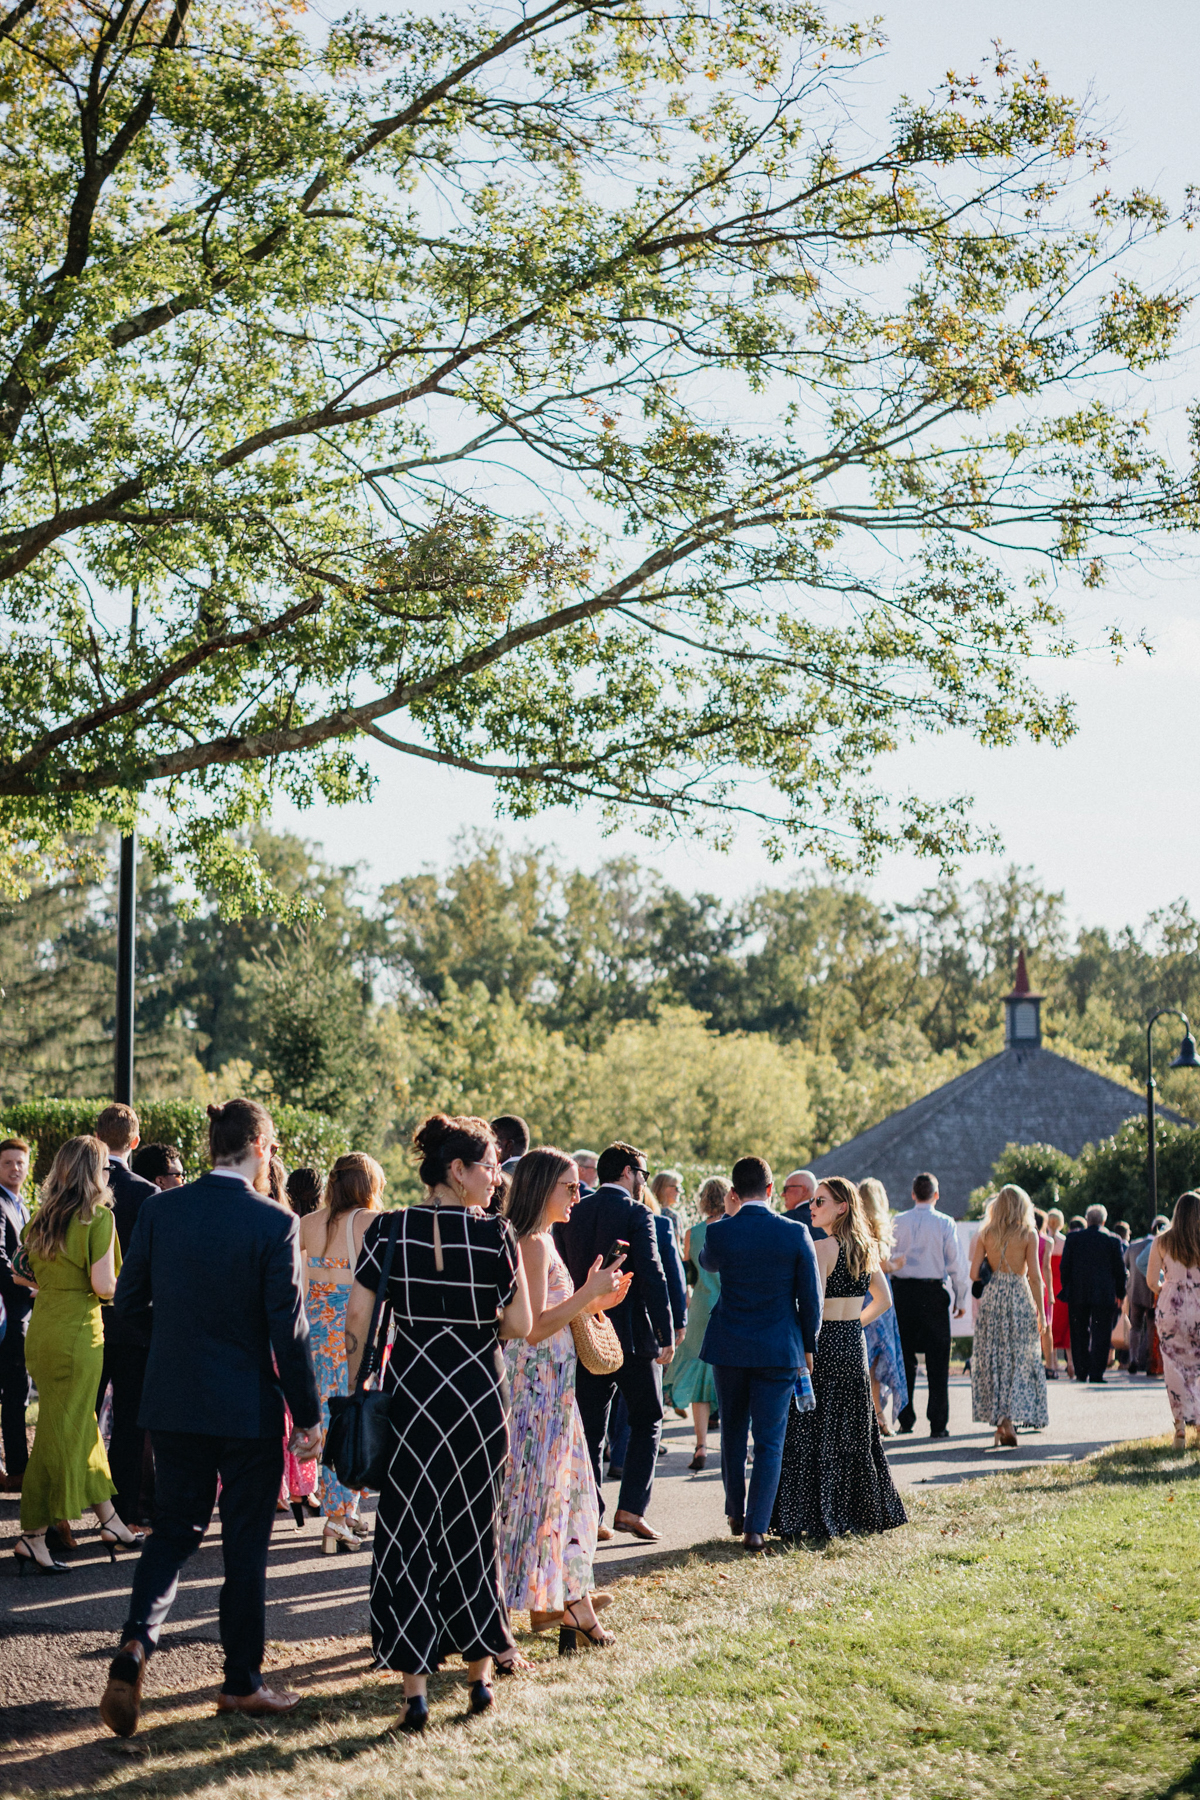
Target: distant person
{"points": [[330, 1241], [18, 1304], [933, 1264], [159, 1163], [885, 1353], [1122, 1231], [642, 1321], [1173, 1276], [1008, 1376], [1139, 1301], [798, 1191], [692, 1381], [512, 1140], [667, 1188], [1076, 1223], [1060, 1326], [71, 1243], [835, 1479], [1093, 1278], [304, 1192], [761, 1332], [217, 1377], [585, 1162], [126, 1341]]}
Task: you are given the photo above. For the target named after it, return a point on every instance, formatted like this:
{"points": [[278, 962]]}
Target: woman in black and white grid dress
{"points": [[455, 1288]]}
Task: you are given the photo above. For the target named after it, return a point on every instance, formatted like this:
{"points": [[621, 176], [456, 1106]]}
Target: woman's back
{"points": [[69, 1269], [1007, 1253]]}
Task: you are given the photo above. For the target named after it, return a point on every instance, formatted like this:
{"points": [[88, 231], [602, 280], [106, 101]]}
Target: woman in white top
{"points": [[330, 1241]]}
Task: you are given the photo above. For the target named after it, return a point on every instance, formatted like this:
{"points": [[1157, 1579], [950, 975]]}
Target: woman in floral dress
{"points": [[1175, 1264], [549, 1512], [330, 1241], [1008, 1377]]}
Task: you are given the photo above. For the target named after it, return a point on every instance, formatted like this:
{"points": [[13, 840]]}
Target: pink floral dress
{"points": [[1178, 1319], [549, 1513], [329, 1281]]}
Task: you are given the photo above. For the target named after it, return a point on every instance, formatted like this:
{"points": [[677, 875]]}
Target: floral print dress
{"points": [[329, 1282], [1178, 1319], [550, 1512]]}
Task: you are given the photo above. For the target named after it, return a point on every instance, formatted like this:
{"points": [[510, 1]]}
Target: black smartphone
{"points": [[616, 1250]]}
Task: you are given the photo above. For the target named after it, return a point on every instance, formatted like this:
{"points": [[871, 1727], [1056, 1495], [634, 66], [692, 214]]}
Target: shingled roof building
{"points": [[1026, 1095]]}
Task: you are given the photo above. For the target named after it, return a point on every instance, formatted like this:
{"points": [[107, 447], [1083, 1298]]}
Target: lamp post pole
{"points": [[126, 907], [1187, 1059]]}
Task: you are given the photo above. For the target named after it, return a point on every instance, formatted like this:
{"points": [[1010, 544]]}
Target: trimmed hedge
{"points": [[307, 1139]]}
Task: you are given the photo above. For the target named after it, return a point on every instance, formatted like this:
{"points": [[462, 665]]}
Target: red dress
{"points": [[1060, 1324]]}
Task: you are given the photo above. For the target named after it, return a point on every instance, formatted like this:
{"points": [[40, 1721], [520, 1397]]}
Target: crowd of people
{"points": [[536, 1312]]}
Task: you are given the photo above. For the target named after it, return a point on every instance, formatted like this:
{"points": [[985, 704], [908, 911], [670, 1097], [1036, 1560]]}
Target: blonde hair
{"points": [[668, 1178], [1009, 1213], [76, 1185], [852, 1230], [878, 1213], [355, 1182], [1055, 1215], [1181, 1239], [710, 1197]]}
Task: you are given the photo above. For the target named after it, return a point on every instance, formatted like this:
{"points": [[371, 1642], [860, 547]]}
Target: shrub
{"points": [[305, 1138], [1044, 1172], [1113, 1172]]}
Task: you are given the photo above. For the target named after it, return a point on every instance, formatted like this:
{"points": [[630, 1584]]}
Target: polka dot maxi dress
{"points": [[835, 1478]]}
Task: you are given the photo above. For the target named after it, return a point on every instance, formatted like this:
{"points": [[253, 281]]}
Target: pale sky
{"points": [[1113, 818]]}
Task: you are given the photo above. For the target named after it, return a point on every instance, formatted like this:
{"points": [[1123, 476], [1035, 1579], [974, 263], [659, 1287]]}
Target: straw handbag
{"points": [[596, 1343]]}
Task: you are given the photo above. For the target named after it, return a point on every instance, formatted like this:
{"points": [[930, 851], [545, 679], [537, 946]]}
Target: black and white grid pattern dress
{"points": [[435, 1586]]}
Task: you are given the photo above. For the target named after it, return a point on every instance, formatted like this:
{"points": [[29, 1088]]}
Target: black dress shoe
{"points": [[121, 1702], [939, 1434], [904, 1430], [754, 1540], [736, 1526]]}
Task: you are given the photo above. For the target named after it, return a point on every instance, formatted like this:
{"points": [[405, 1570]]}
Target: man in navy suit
{"points": [[762, 1328], [126, 1341], [642, 1322], [219, 1265]]}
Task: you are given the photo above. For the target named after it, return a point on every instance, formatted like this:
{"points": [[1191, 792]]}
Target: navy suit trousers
{"points": [[752, 1401], [639, 1379], [14, 1395], [187, 1466]]}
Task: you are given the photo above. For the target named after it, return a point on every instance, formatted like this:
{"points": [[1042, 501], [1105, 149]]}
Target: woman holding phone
{"points": [[549, 1512]]}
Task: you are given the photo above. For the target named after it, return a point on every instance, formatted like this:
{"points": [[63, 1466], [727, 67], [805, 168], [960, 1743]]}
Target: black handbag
{"points": [[358, 1445], [981, 1280]]}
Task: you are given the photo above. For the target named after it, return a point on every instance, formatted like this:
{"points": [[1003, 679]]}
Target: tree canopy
{"points": [[579, 393]]}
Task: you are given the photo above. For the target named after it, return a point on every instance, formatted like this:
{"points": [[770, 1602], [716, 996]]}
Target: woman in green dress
{"points": [[692, 1381], [73, 1254]]}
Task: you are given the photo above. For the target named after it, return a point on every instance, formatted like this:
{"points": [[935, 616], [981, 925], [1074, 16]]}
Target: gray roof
{"points": [[1022, 1096]]}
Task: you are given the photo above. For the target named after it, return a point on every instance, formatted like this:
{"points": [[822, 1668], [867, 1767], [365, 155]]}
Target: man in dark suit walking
{"points": [[642, 1322], [763, 1326], [126, 1341], [18, 1304], [220, 1265], [1091, 1279]]}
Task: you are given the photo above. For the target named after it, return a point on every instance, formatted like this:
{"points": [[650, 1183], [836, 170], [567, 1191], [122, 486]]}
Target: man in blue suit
{"points": [[762, 1328], [215, 1266]]}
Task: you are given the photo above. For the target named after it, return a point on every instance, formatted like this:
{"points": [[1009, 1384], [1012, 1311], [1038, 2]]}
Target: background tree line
{"points": [[591, 1002]]}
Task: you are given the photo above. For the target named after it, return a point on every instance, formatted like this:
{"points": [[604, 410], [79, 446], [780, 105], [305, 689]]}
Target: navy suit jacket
{"points": [[221, 1266], [643, 1320], [802, 1214], [1092, 1271], [768, 1312], [17, 1300], [672, 1262], [129, 1191]]}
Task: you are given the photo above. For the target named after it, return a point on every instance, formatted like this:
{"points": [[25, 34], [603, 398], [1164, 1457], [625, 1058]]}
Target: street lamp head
{"points": [[1187, 1058]]}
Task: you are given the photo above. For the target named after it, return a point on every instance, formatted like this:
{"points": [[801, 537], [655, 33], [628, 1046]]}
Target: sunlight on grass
{"points": [[1033, 1635]]}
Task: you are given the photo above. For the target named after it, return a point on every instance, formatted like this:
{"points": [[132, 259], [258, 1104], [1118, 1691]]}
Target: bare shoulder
{"points": [[535, 1251]]}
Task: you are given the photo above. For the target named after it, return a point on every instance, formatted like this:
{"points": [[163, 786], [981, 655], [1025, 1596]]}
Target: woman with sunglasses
{"points": [[549, 1513]]}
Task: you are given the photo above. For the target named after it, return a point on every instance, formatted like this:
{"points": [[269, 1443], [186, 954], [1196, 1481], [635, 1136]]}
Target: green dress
{"points": [[691, 1379], [64, 1353]]}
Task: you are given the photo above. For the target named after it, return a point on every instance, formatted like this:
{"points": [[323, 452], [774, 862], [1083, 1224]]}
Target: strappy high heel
{"points": [[29, 1557], [337, 1536], [124, 1538], [571, 1631]]}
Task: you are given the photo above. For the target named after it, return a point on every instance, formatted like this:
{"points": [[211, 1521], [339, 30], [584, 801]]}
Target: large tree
{"points": [[577, 393]]}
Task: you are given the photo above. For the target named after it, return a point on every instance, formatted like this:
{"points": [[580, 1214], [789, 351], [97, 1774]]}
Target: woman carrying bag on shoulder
{"points": [[549, 1514], [455, 1288]]}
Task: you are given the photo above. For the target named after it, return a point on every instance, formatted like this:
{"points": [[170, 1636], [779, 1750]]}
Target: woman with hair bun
{"points": [[1008, 1376], [455, 1289]]}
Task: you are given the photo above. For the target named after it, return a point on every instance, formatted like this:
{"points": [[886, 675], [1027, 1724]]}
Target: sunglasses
{"points": [[572, 1187]]}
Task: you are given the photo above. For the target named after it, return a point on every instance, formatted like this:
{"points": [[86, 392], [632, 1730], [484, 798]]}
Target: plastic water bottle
{"points": [[802, 1393]]}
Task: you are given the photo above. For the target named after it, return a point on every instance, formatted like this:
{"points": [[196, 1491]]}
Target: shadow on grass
{"points": [[1143, 1464], [1188, 1784]]}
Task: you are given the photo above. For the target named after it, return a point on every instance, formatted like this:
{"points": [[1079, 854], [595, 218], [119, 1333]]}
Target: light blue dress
{"points": [[691, 1379], [885, 1358]]}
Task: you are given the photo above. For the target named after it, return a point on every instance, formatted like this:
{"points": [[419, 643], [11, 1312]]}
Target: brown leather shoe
{"points": [[636, 1527], [121, 1701], [10, 1484], [754, 1540], [264, 1702]]}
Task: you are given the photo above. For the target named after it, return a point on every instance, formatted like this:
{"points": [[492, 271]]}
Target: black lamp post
{"points": [[1187, 1059], [126, 944]]}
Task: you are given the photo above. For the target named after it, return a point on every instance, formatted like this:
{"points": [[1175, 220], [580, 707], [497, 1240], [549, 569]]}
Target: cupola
{"points": [[1023, 1012]]}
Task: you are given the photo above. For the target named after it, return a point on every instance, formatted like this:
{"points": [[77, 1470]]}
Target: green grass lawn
{"points": [[1032, 1635]]}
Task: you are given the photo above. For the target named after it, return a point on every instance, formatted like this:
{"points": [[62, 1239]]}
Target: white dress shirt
{"points": [[928, 1242]]}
